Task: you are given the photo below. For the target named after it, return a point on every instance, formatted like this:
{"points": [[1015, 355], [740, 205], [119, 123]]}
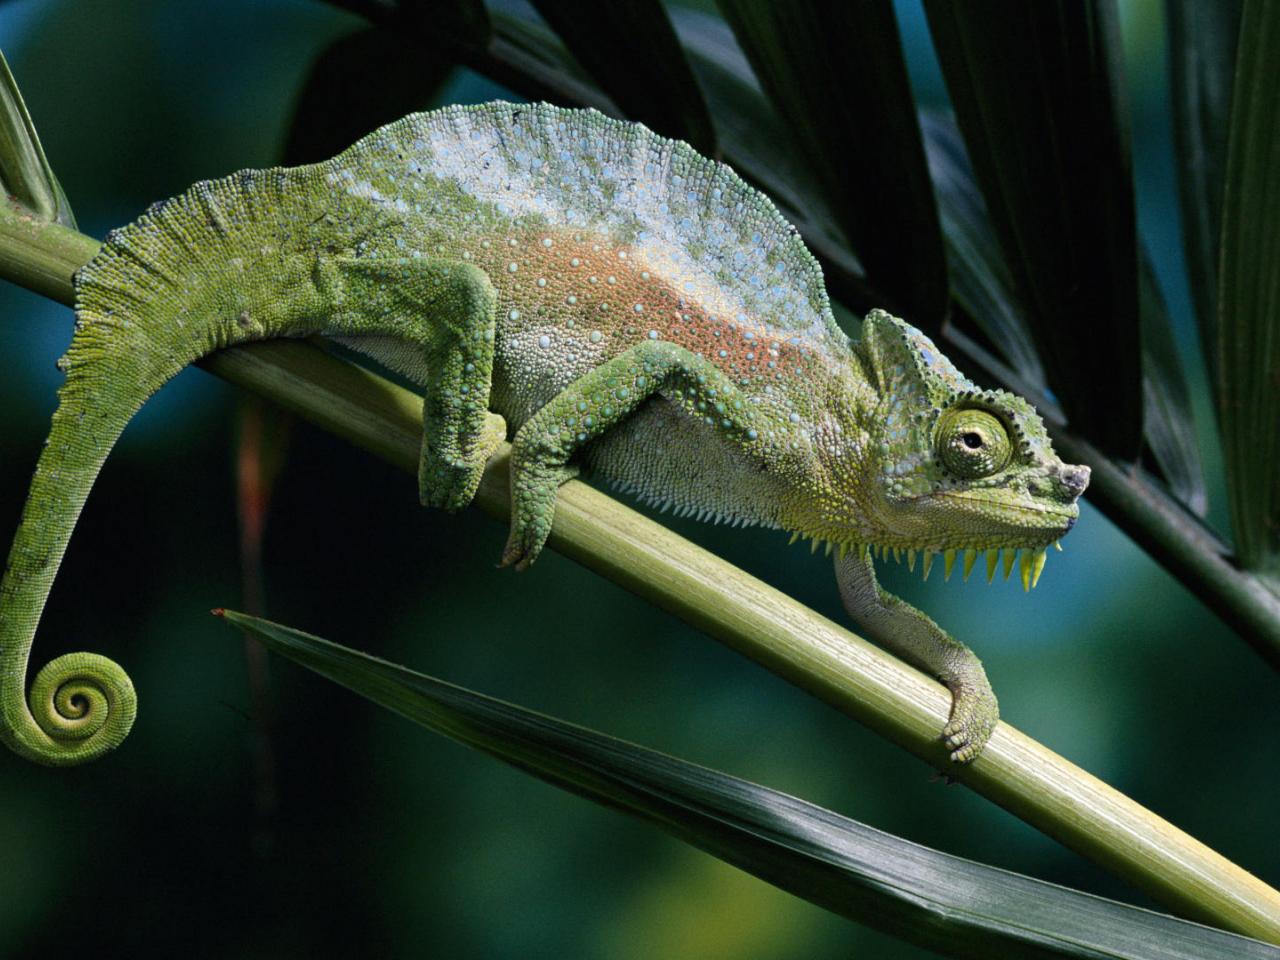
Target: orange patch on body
{"points": [[591, 284]]}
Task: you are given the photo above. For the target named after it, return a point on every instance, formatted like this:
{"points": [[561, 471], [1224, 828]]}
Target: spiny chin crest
{"points": [[1030, 563]]}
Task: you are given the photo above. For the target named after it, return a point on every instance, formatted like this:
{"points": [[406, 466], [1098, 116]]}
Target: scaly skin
{"points": [[608, 297]]}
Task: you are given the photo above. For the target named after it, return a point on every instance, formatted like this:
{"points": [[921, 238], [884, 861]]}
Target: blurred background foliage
{"points": [[353, 833]]}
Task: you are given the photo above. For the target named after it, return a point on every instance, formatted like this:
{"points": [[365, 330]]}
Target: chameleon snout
{"points": [[1073, 479], [1076, 479]]}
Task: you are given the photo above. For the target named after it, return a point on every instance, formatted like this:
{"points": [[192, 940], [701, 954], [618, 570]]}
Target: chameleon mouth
{"points": [[1037, 514], [1030, 560]]}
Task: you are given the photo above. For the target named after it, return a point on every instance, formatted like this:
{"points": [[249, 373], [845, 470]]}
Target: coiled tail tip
{"points": [[80, 706]]}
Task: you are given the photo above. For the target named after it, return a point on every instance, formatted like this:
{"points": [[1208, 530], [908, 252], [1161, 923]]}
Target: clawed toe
{"points": [[521, 550], [958, 742], [534, 486], [514, 555], [451, 488], [974, 715], [449, 476]]}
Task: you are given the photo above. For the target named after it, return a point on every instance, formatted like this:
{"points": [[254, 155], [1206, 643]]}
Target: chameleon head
{"points": [[953, 468]]}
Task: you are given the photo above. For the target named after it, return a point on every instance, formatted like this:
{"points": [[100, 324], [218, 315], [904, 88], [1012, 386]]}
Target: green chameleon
{"points": [[609, 298]]}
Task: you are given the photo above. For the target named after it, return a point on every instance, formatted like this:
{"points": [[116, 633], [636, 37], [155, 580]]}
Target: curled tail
{"points": [[208, 269]]}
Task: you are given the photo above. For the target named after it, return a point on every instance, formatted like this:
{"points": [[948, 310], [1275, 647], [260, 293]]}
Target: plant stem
{"points": [[753, 618]]}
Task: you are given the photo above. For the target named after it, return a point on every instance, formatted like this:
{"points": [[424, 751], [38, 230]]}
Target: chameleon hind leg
{"points": [[900, 627], [593, 404], [444, 314]]}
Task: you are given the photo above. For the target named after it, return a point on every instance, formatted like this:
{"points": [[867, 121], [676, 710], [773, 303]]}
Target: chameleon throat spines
{"points": [[610, 293]]}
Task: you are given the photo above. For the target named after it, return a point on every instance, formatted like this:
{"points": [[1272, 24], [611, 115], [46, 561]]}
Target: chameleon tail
{"points": [[163, 292]]}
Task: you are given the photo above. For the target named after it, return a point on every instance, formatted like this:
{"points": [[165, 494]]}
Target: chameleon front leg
{"points": [[445, 312], [900, 627], [589, 407]]}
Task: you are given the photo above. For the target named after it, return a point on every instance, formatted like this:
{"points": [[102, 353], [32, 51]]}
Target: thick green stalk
{"points": [[753, 618]]}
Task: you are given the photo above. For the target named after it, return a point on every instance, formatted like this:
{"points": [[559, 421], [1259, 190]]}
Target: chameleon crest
{"points": [[603, 296]]}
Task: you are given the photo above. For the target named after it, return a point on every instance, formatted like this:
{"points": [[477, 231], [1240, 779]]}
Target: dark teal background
{"points": [[383, 840]]}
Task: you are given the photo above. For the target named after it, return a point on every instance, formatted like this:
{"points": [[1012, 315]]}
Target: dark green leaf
{"points": [[527, 57], [980, 280], [632, 51], [1168, 425], [1202, 60], [397, 73], [957, 907], [25, 173], [1037, 95], [836, 74], [462, 22], [1249, 295]]}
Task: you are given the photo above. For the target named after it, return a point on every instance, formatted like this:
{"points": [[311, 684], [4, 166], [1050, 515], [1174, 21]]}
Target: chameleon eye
{"points": [[972, 443]]}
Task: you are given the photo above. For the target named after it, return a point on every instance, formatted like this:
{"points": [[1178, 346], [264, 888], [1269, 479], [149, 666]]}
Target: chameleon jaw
{"points": [[1030, 564]]}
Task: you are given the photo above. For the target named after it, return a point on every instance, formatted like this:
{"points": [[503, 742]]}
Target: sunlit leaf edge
{"points": [[25, 173]]}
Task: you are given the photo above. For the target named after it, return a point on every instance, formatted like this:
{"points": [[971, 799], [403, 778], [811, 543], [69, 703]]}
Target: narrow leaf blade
{"points": [[25, 173], [632, 51], [980, 279], [1168, 422], [836, 74], [1249, 296], [1037, 96], [1202, 59], [955, 906], [399, 73], [463, 22]]}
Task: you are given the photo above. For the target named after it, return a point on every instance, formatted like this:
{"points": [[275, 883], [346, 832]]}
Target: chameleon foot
{"points": [[974, 715], [520, 551], [450, 484], [912, 635], [533, 506]]}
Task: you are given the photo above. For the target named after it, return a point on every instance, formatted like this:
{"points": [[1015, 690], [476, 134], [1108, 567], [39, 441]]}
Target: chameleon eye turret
{"points": [[972, 444], [606, 297]]}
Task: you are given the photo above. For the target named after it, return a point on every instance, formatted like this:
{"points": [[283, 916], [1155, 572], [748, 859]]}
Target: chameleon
{"points": [[610, 300]]}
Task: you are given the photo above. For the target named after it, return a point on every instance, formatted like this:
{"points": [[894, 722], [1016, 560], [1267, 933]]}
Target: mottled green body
{"points": [[603, 295]]}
